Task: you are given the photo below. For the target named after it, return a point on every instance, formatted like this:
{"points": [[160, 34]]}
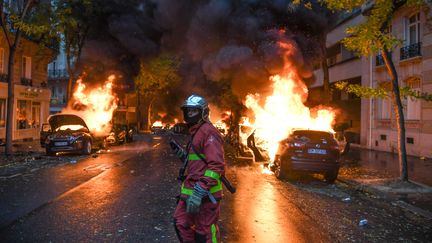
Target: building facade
{"points": [[31, 94], [377, 128], [58, 79]]}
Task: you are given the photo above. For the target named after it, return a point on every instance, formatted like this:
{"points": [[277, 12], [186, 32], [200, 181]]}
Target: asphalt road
{"points": [[128, 195]]}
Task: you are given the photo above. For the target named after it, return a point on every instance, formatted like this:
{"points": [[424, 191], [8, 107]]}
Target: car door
{"points": [[44, 132]]}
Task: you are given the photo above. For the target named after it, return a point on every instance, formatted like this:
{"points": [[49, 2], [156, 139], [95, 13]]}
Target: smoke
{"points": [[216, 40]]}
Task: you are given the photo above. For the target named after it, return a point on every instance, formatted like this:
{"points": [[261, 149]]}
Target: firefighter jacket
{"points": [[208, 142]]}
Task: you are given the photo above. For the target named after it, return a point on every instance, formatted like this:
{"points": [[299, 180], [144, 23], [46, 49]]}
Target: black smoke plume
{"points": [[215, 39]]}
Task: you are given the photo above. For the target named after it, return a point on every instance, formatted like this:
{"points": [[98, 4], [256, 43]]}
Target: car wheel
{"points": [[87, 148], [279, 168], [331, 176], [104, 144], [49, 152]]}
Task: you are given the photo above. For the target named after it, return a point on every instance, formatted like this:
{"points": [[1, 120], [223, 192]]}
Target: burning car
{"points": [[310, 151], [120, 134], [68, 133]]}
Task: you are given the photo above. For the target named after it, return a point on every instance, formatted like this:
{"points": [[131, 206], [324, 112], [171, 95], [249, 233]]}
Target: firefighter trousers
{"points": [[201, 227]]}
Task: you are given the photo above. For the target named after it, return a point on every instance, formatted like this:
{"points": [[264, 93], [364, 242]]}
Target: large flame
{"points": [[284, 110], [95, 106]]}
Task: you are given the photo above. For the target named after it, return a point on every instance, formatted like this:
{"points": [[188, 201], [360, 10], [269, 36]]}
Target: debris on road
{"points": [[347, 199], [363, 222]]}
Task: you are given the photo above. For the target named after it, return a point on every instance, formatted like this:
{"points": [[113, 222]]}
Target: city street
{"points": [[127, 194]]}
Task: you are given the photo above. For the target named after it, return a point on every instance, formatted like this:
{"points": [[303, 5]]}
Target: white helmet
{"points": [[197, 102]]}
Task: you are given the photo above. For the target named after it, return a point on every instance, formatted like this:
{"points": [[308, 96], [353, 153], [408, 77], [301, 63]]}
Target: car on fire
{"points": [[68, 133], [120, 134], [308, 151]]}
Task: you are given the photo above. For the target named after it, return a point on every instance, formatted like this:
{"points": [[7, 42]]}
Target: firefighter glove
{"points": [[193, 203]]}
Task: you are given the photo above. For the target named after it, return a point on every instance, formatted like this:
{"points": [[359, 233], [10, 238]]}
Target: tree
{"points": [[17, 18], [74, 21], [372, 37], [155, 78]]}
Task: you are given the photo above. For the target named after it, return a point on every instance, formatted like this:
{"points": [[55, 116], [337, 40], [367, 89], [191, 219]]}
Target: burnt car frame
{"points": [[120, 134], [68, 133], [308, 151]]}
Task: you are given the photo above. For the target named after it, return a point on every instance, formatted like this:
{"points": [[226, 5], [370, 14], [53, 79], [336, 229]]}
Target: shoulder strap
{"points": [[198, 154]]}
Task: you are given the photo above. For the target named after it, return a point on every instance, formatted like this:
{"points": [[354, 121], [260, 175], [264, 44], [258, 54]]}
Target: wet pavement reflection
{"points": [[387, 164]]}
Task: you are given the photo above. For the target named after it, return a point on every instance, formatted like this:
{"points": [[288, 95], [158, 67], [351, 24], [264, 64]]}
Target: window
{"points": [[412, 32], [26, 68], [413, 106], [385, 107], [23, 114], [2, 112], [2, 69], [36, 114]]}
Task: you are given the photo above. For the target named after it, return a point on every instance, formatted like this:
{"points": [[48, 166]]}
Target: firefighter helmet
{"points": [[195, 102]]}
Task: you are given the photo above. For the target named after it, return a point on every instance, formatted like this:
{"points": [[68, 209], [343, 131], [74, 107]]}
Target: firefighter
{"points": [[197, 211]]}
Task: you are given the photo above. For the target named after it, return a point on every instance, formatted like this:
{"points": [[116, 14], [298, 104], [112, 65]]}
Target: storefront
{"points": [[31, 110]]}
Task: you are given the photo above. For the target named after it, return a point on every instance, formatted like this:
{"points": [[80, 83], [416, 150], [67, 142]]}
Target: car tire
{"points": [[103, 144], [279, 168], [49, 152], [331, 176], [87, 147]]}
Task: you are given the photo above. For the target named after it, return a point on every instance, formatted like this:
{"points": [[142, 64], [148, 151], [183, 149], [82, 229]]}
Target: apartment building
{"points": [[31, 95], [373, 120]]}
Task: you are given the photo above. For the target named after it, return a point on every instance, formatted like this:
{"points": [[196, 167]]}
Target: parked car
{"points": [[120, 133], [68, 133], [308, 151]]}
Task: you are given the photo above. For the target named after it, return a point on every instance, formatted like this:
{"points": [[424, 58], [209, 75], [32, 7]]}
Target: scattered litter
{"points": [[120, 231], [132, 171], [108, 235], [157, 228], [73, 161], [363, 222], [29, 147], [109, 150], [423, 158], [347, 199]]}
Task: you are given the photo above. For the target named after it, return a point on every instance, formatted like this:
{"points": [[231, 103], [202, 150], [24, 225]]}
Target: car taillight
{"points": [[299, 145]]}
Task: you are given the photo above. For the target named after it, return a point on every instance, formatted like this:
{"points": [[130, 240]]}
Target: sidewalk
{"points": [[377, 173]]}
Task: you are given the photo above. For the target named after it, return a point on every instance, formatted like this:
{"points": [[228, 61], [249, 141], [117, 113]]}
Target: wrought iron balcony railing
{"points": [[57, 73], [3, 77], [27, 81], [413, 50]]}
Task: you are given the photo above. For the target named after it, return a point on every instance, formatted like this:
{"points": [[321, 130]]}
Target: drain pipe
{"points": [[371, 108]]}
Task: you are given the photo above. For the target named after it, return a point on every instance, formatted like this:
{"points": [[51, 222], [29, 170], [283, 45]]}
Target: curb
{"points": [[404, 205]]}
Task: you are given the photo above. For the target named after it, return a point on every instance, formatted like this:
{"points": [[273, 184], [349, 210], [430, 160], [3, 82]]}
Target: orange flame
{"points": [[96, 106], [284, 110], [157, 124]]}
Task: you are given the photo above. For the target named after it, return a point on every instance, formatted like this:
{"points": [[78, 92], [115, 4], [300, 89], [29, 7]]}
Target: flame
{"points": [[95, 106], [157, 124], [284, 110]]}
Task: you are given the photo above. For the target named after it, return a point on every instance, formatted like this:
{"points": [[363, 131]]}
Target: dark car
{"points": [[68, 133], [308, 151], [120, 134]]}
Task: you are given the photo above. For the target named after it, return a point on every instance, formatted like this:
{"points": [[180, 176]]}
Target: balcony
{"points": [[413, 50], [3, 77], [27, 81], [57, 73]]}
